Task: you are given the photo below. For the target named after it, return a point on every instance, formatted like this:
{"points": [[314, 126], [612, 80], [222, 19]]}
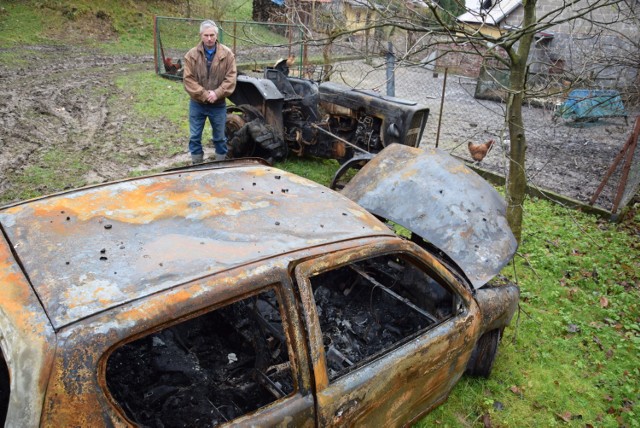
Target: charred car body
{"points": [[237, 293], [279, 115]]}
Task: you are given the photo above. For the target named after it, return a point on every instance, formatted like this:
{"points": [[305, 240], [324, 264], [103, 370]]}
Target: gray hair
{"points": [[208, 24]]}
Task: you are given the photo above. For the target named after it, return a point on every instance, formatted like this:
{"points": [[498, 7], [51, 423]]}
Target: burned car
{"points": [[237, 293]]}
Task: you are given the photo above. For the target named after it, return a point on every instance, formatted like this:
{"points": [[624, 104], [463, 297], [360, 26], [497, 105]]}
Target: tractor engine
{"points": [[327, 120], [367, 135]]}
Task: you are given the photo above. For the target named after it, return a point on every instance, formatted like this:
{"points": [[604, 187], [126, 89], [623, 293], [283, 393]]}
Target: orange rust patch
{"points": [[16, 294], [141, 204], [410, 173], [460, 169]]}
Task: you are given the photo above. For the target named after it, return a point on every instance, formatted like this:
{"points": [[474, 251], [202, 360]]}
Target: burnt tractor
{"points": [[277, 116]]}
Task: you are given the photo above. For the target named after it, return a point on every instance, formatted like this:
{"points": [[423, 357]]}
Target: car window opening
{"points": [[207, 370], [371, 306], [5, 388]]}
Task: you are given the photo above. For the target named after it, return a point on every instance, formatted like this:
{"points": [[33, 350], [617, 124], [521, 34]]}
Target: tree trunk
{"points": [[327, 61], [517, 179]]}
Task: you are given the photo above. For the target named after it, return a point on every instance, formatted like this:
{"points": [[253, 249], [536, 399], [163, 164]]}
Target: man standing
{"points": [[209, 78]]}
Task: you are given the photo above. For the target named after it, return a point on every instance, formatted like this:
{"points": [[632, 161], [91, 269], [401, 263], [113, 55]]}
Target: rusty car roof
{"points": [[92, 249]]}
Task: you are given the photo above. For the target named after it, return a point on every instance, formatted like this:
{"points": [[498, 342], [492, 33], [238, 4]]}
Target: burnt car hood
{"points": [[443, 201]]}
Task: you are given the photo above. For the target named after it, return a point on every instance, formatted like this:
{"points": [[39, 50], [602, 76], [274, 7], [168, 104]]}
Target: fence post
{"points": [[235, 37], [391, 63], [444, 90]]}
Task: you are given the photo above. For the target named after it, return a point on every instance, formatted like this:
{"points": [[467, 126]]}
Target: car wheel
{"points": [[484, 354]]}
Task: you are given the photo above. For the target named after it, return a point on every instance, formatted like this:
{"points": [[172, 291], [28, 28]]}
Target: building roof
{"points": [[92, 249], [490, 12], [358, 3]]}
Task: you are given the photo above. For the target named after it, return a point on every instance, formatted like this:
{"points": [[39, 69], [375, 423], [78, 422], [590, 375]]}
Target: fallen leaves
{"points": [[517, 391], [598, 342], [567, 416], [486, 420], [573, 328]]}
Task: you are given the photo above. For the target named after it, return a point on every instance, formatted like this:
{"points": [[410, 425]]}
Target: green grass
{"points": [[163, 100], [21, 23], [57, 170], [115, 27], [156, 97], [571, 357], [319, 170]]}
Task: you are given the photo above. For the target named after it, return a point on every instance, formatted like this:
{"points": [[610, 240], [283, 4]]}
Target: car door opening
{"points": [[368, 307]]}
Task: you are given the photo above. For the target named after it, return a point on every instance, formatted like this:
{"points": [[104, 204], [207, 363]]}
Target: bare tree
{"points": [[322, 23], [434, 24]]}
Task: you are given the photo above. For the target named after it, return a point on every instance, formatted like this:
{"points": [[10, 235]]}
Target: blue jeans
{"points": [[198, 114]]}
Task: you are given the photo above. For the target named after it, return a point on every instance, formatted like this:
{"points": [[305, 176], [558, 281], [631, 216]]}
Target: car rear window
{"points": [[207, 370]]}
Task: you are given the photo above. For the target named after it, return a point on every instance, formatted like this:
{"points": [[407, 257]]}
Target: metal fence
{"points": [[360, 60], [462, 109], [256, 44]]}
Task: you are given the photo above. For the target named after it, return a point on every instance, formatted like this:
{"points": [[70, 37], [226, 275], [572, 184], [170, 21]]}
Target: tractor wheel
{"points": [[239, 142], [249, 135], [233, 124], [345, 173], [484, 354]]}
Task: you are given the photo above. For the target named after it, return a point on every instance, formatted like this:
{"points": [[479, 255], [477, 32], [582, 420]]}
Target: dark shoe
{"points": [[196, 159]]}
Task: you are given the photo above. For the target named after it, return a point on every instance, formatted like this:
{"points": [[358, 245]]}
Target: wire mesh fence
{"points": [[256, 44], [463, 109]]}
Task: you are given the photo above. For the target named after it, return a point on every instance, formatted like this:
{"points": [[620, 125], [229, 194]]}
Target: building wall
{"points": [[578, 50], [355, 16]]}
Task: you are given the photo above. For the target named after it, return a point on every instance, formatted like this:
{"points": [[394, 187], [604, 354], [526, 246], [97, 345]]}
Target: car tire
{"points": [[484, 354]]}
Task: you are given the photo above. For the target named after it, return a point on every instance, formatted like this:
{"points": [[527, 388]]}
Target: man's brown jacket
{"points": [[221, 78]]}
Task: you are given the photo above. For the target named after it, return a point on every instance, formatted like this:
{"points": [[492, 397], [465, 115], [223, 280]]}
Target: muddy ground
{"points": [[62, 101], [60, 105]]}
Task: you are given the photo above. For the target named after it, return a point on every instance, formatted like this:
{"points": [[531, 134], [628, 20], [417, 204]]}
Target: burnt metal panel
{"points": [[441, 200], [403, 120], [99, 247], [78, 394], [414, 377], [247, 87], [27, 341], [497, 304]]}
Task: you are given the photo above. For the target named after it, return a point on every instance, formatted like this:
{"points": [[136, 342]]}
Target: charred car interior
{"points": [[368, 307], [233, 360], [207, 370]]}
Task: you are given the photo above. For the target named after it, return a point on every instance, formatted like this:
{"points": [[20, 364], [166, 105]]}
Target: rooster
{"points": [[170, 67], [283, 64], [479, 151]]}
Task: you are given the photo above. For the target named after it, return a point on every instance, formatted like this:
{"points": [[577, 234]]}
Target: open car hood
{"points": [[441, 200]]}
